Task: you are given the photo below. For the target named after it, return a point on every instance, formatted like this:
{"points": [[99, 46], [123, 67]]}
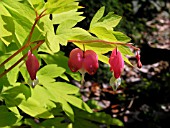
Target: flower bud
{"points": [[116, 63], [139, 64], [32, 65]]}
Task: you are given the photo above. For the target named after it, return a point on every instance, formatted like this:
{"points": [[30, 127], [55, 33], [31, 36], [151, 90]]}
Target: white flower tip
{"points": [[33, 83]]}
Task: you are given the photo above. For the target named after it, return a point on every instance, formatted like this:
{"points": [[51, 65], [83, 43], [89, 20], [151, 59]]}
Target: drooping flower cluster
{"points": [[32, 65], [87, 61]]}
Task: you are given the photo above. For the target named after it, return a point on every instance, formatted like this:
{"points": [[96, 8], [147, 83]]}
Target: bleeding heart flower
{"points": [[83, 61], [116, 62], [116, 65], [32, 65]]}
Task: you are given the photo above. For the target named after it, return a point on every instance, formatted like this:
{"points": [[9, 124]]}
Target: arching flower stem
{"points": [[105, 42]]}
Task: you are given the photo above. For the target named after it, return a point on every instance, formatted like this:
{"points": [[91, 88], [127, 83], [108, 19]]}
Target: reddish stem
{"points": [[106, 42], [28, 41]]}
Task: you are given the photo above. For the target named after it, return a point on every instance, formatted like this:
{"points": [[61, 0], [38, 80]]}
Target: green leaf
{"points": [[35, 105], [15, 110], [15, 95], [52, 43], [44, 100], [31, 123], [55, 122], [6, 29], [81, 123], [110, 21], [103, 58], [78, 103], [64, 26], [33, 108], [66, 16], [37, 4], [13, 74], [2, 48], [59, 98], [121, 37], [59, 6], [45, 80], [61, 61], [60, 94], [16, 7], [51, 70], [99, 117], [5, 115], [97, 16], [68, 88], [22, 23], [66, 108], [69, 34], [103, 33]]}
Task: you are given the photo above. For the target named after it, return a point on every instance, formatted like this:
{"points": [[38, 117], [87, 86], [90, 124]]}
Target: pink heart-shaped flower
{"points": [[116, 62], [83, 61]]}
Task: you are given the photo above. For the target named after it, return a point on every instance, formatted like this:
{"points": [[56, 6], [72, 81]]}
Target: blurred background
{"points": [[143, 100]]}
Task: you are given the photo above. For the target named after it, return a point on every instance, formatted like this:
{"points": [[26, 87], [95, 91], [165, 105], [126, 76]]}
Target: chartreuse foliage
{"points": [[56, 102]]}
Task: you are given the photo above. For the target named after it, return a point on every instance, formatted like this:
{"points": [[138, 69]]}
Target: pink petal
{"points": [[116, 63], [90, 62], [32, 65], [75, 59]]}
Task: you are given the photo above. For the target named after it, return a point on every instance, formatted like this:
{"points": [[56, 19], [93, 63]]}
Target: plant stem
{"points": [[28, 43], [16, 53], [106, 42]]}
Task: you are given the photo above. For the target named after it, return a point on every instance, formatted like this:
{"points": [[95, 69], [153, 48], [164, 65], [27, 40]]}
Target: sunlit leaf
{"points": [[61, 61], [59, 6], [97, 16], [121, 37], [51, 70], [33, 108], [66, 16], [37, 4], [104, 34], [78, 103], [110, 21], [13, 74]]}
